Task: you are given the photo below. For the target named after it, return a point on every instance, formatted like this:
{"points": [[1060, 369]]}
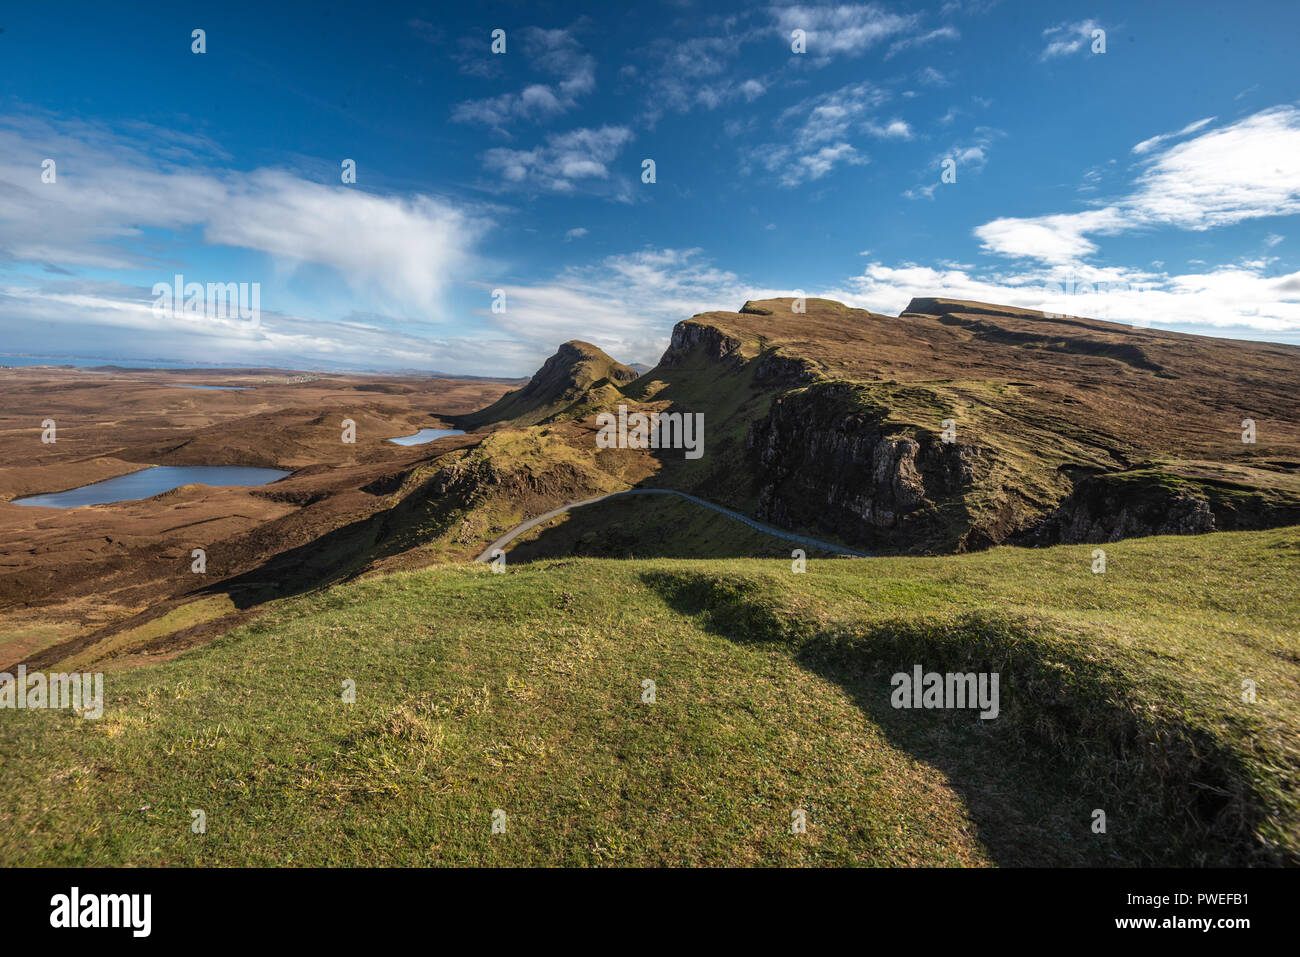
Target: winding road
{"points": [[766, 529]]}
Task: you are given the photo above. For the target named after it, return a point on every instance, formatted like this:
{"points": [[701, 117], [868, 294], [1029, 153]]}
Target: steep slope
{"points": [[1038, 405], [831, 421], [563, 379]]}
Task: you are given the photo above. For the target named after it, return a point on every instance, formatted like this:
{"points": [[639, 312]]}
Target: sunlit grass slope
{"points": [[523, 692]]}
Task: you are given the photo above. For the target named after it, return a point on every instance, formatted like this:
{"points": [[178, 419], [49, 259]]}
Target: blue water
{"points": [[426, 435], [82, 362], [152, 481], [215, 388]]}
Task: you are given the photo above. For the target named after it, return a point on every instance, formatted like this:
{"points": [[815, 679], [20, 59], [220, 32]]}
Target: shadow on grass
{"points": [[1074, 734], [334, 557], [344, 552], [644, 527]]}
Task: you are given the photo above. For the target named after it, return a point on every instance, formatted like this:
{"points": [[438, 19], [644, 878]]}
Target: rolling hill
{"points": [[981, 452], [952, 427]]}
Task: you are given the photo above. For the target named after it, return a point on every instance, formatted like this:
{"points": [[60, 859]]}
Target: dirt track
{"points": [[510, 536]]}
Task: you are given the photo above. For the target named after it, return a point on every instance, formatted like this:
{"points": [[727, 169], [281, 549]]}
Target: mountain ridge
{"points": [[831, 420]]}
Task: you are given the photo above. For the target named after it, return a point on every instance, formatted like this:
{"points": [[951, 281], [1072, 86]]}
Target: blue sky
{"points": [[1138, 162]]}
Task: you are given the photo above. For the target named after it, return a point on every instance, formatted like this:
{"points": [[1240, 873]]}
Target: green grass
{"points": [[522, 692], [649, 527]]}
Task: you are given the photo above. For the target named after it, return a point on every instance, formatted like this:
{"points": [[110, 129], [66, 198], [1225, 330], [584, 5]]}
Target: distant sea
{"points": [[290, 366], [8, 360]]}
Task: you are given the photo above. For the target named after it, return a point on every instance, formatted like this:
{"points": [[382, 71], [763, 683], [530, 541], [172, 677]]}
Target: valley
{"points": [[1098, 524]]}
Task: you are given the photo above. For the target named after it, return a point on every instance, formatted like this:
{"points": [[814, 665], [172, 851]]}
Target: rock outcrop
{"points": [[1107, 508], [823, 460], [826, 418], [692, 337], [574, 369]]}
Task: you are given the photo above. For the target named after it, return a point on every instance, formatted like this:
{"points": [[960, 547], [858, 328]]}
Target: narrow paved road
{"points": [[766, 529]]}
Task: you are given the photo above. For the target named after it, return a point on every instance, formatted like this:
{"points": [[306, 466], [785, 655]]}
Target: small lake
{"points": [[426, 435], [213, 388], [153, 481]]}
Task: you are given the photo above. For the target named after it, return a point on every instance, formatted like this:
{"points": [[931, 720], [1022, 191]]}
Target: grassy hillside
{"points": [[949, 428], [576, 369], [654, 527], [522, 691]]}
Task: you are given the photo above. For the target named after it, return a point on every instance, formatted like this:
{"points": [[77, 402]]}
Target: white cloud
{"points": [[112, 320], [931, 77], [845, 29], [581, 155], [1242, 299], [893, 130], [576, 233], [556, 52], [821, 140], [1147, 145], [967, 155], [626, 304], [1053, 239], [400, 251], [1067, 38], [700, 72], [909, 43], [406, 248], [1243, 171]]}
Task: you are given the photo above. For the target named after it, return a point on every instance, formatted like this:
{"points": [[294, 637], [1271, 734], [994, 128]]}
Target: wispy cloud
{"points": [[825, 125], [555, 52], [1146, 146], [565, 163], [1065, 39], [701, 72], [968, 155], [847, 29], [1243, 171], [922, 39]]}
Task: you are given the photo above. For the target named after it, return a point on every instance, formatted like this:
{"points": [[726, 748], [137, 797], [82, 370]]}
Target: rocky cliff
{"points": [[831, 420], [825, 460]]}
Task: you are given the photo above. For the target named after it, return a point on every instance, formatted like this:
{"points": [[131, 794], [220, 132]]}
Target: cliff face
{"points": [[825, 461], [691, 337], [1106, 508], [700, 342], [828, 419]]}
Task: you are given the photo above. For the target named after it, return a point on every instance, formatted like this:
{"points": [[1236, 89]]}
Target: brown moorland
{"points": [[72, 579], [829, 422]]}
